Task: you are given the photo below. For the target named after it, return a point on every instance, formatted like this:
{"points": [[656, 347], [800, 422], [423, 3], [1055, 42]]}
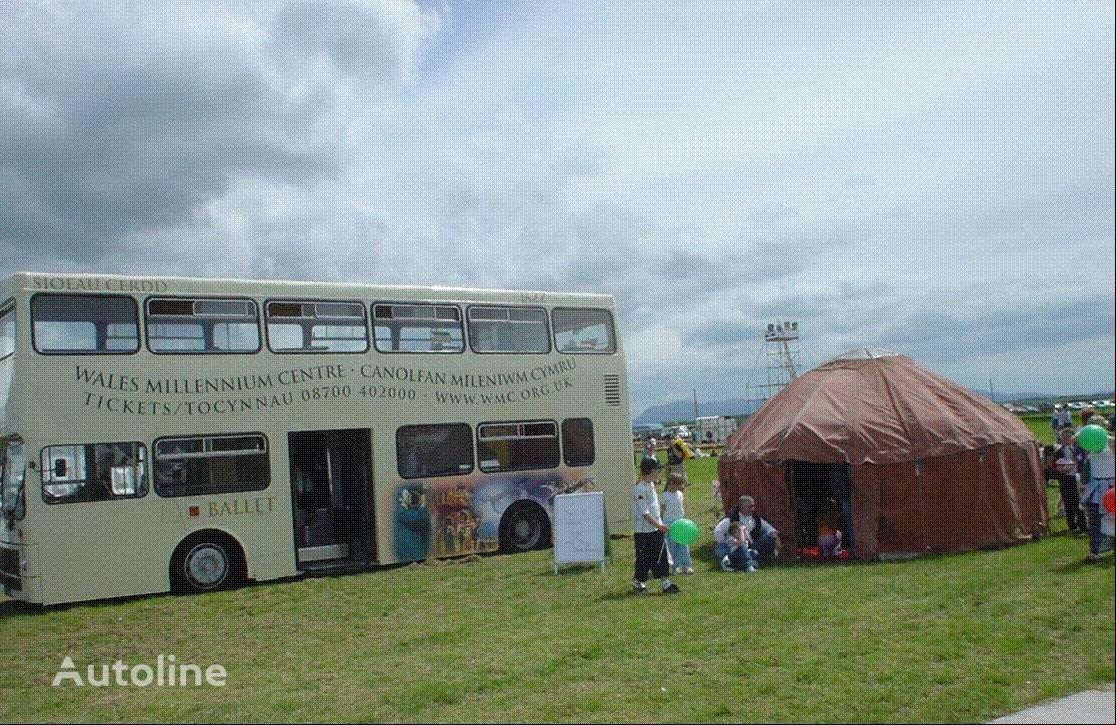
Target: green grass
{"points": [[501, 638], [1039, 424]]}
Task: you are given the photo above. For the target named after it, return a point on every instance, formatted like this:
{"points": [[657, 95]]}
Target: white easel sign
{"points": [[579, 529]]}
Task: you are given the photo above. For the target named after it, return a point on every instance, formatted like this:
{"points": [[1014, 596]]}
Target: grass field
{"points": [[501, 638]]}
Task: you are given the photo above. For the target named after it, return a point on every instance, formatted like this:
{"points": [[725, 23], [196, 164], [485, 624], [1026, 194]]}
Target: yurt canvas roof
{"points": [[872, 406]]}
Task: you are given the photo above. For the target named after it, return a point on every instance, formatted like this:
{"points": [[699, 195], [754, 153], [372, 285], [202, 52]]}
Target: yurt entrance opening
{"points": [[822, 496]]}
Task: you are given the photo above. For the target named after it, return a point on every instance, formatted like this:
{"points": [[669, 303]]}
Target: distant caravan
{"points": [[714, 428], [189, 434]]}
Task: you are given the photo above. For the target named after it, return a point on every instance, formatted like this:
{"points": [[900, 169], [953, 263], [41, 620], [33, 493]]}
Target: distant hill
{"points": [[1011, 397], [1041, 397]]}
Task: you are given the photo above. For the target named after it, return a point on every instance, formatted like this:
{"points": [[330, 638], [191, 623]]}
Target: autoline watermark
{"points": [[164, 673]]}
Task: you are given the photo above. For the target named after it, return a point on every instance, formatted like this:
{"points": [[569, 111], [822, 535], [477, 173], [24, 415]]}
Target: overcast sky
{"points": [[933, 178]]}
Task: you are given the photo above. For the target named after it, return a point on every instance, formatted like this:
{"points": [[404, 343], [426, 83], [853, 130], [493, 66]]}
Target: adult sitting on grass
{"points": [[762, 535], [741, 556]]}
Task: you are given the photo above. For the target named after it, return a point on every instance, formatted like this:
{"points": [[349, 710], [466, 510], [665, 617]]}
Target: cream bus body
{"points": [[141, 465]]}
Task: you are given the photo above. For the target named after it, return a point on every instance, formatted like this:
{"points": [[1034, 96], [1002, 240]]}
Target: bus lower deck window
{"points": [[94, 472], [520, 446], [210, 465]]}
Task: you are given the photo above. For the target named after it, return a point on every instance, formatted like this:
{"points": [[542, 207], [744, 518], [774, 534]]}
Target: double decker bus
{"points": [[189, 434]]}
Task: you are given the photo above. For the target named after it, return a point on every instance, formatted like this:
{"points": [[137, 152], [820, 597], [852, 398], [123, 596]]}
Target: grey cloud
{"points": [[775, 215], [726, 333], [131, 120], [823, 316], [949, 337], [356, 38]]}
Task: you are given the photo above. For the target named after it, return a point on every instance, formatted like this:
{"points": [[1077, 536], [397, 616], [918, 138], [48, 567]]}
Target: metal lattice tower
{"points": [[780, 342]]}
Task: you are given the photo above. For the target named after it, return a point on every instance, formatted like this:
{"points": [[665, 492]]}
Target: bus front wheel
{"points": [[524, 527], [206, 562]]}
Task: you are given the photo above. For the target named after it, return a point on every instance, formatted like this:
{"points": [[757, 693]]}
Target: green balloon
{"points": [[1092, 438], [683, 531]]}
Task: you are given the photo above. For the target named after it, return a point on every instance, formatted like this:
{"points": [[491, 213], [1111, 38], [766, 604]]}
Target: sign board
{"points": [[579, 528]]}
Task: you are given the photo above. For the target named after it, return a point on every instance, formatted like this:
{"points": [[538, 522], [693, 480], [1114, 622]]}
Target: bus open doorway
{"points": [[331, 489]]}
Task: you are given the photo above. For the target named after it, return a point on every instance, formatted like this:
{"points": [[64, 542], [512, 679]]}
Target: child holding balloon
{"points": [[1095, 438], [674, 510]]}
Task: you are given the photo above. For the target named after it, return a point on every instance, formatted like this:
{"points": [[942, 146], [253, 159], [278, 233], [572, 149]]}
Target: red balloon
{"points": [[1109, 500]]}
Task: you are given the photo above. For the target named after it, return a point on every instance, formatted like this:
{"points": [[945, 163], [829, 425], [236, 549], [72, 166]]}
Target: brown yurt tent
{"points": [[915, 462]]}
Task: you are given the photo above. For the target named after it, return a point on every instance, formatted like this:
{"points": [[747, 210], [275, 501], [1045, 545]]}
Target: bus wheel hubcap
{"points": [[525, 531], [207, 566]]}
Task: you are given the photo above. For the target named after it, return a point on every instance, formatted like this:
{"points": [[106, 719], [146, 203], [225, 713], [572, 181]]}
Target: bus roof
{"points": [[83, 282]]}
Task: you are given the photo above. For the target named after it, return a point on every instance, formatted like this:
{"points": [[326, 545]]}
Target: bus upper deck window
{"points": [[417, 328], [508, 329], [84, 324], [583, 331], [296, 326], [176, 325]]}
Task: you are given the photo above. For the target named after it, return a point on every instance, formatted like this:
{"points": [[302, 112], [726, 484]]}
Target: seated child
{"points": [[741, 556], [829, 536], [829, 540]]}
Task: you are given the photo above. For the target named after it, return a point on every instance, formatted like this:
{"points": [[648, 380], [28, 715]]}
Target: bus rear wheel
{"points": [[524, 527], [206, 562]]}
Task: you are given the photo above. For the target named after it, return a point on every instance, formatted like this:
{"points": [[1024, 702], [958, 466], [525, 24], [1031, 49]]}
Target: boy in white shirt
{"points": [[651, 556]]}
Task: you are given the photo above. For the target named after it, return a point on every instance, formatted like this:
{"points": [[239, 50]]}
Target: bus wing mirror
{"points": [[59, 467]]}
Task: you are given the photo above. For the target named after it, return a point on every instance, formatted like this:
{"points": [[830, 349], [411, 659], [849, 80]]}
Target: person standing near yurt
{"points": [[1066, 460], [1102, 471], [1060, 418], [677, 453], [674, 509]]}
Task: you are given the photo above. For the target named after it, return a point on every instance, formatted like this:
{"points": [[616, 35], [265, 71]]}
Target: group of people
{"points": [[1083, 477], [742, 541]]}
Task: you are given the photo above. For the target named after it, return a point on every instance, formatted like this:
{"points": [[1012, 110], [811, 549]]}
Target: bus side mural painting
{"points": [[462, 516]]}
